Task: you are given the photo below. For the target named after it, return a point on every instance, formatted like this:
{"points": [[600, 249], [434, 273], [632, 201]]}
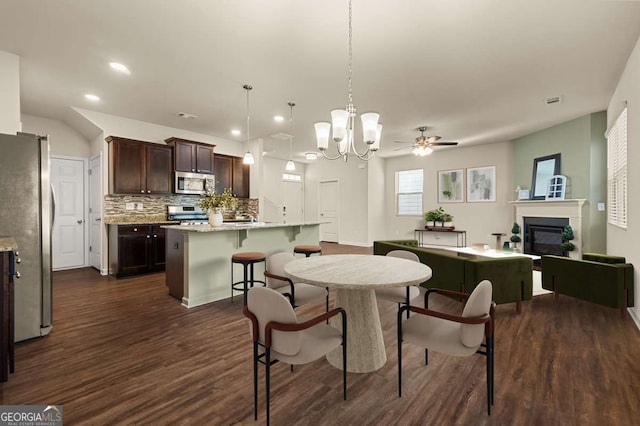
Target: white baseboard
{"points": [[354, 243], [634, 316]]}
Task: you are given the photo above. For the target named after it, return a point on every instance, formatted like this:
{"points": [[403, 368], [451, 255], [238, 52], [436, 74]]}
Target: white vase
{"points": [[215, 218]]}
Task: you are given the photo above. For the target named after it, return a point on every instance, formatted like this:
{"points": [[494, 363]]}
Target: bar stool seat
{"points": [[247, 259], [307, 250]]}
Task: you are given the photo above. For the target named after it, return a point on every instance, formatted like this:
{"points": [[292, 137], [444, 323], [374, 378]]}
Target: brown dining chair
{"points": [[450, 334], [400, 295], [297, 293], [283, 336]]}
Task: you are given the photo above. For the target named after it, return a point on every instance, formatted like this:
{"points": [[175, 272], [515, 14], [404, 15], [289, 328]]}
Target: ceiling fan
{"points": [[422, 145]]}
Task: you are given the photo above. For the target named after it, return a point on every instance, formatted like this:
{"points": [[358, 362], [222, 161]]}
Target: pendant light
{"points": [[248, 157], [291, 166]]}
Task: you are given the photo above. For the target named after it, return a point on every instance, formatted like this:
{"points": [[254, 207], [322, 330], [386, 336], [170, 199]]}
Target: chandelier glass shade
{"points": [[342, 126], [422, 151]]}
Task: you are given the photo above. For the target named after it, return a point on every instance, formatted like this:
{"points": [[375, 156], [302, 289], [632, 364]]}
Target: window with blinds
{"points": [[617, 172], [409, 192]]}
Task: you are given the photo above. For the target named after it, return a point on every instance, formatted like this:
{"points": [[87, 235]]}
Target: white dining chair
{"points": [[400, 295], [297, 293], [455, 335], [282, 336]]}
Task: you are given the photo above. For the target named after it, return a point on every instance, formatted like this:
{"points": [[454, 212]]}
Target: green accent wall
{"points": [[583, 148]]}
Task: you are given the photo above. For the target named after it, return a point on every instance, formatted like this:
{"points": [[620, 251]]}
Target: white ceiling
{"points": [[475, 71]]}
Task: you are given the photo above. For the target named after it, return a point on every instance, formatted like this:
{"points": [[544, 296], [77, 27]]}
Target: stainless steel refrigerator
{"points": [[26, 213]]}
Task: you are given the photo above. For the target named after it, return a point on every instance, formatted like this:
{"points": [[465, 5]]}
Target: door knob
{"points": [[98, 219], [79, 221]]}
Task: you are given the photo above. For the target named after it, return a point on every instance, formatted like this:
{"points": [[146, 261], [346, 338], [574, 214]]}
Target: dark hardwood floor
{"points": [[124, 352]]}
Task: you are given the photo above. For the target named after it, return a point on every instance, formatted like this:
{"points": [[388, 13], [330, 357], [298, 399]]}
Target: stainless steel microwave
{"points": [[194, 183]]}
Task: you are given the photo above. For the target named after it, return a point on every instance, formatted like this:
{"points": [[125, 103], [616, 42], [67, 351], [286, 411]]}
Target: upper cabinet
{"points": [[138, 167], [190, 156], [232, 173]]}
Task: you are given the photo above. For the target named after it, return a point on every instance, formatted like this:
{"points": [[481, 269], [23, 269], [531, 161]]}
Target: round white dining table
{"points": [[354, 278]]}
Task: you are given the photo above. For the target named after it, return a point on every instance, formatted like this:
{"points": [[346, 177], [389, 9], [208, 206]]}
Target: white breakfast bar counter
{"points": [[198, 257]]}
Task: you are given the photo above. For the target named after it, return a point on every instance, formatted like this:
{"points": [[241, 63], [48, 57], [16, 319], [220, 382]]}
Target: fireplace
{"points": [[543, 235]]}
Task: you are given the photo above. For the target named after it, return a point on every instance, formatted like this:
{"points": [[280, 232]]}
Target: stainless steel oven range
{"points": [[187, 215]]}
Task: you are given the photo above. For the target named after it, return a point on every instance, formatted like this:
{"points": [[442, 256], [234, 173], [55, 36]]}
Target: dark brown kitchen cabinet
{"points": [[138, 167], [191, 156], [7, 354], [136, 249], [240, 178], [232, 173], [223, 169]]}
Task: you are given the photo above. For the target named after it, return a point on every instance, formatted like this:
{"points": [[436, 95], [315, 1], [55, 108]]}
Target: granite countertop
{"points": [[138, 219], [237, 226], [8, 244]]}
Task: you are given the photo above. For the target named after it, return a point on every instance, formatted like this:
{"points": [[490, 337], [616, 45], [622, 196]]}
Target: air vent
{"points": [[282, 136], [187, 116], [553, 100]]}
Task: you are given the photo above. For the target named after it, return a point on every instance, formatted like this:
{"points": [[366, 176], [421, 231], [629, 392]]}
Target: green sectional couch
{"points": [[597, 278], [511, 277]]}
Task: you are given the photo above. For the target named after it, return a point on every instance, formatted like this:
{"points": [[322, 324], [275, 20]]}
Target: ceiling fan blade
{"points": [[404, 147], [443, 143], [402, 142]]}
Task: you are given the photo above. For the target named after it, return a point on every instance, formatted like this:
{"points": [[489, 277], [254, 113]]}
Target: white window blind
{"points": [[409, 192], [617, 172]]}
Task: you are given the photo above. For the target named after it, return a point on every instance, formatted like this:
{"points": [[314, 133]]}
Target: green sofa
{"points": [[512, 277], [605, 280]]}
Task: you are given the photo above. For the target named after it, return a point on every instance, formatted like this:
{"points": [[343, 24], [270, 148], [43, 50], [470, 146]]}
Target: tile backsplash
{"points": [[146, 206]]}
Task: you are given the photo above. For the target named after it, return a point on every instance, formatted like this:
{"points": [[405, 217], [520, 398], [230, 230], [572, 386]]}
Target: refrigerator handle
{"points": [[53, 207]]}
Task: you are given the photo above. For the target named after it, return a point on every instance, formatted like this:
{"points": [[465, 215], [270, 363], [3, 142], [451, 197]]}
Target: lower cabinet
{"points": [[136, 249], [6, 314]]}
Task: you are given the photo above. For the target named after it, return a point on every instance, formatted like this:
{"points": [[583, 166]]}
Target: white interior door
{"points": [[329, 211], [95, 212], [68, 239], [292, 201]]}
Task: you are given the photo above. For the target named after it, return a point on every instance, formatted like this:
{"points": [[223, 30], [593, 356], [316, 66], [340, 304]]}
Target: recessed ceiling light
{"points": [[119, 67], [236, 132], [311, 155], [279, 118], [91, 97]]}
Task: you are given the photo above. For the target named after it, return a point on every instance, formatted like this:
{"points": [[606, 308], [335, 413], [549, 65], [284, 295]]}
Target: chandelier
{"points": [[248, 157], [343, 122]]}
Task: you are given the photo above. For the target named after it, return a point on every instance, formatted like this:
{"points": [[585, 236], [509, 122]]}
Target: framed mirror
{"points": [[543, 169]]}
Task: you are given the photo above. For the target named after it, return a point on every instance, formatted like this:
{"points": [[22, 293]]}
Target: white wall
{"points": [[150, 132], [353, 218], [624, 242], [64, 140], [480, 220], [9, 93], [377, 199]]}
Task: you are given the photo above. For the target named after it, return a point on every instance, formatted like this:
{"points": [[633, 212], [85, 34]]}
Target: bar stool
{"points": [[246, 259], [307, 250]]}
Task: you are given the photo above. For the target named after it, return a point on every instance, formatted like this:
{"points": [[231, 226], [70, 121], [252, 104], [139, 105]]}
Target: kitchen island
{"points": [[198, 257]]}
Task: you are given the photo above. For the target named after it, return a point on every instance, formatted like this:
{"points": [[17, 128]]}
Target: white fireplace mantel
{"points": [[570, 209]]}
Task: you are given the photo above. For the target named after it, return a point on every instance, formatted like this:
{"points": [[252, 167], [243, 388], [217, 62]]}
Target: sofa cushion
{"points": [[603, 258]]}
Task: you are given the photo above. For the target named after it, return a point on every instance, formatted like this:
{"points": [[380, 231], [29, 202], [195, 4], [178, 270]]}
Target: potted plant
{"points": [[567, 236], [515, 238], [213, 203], [437, 215]]}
